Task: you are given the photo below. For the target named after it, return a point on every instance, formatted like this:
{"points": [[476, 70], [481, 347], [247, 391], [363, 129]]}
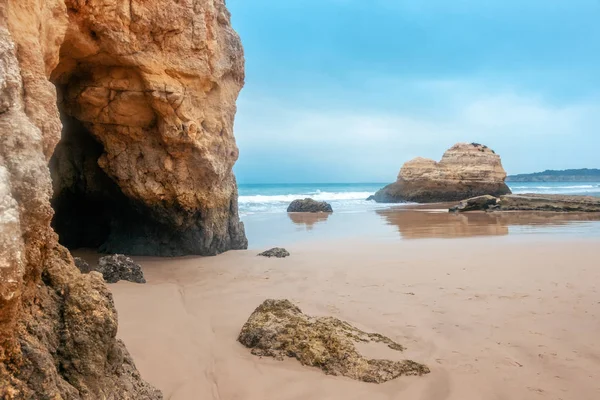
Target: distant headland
{"points": [[568, 175]]}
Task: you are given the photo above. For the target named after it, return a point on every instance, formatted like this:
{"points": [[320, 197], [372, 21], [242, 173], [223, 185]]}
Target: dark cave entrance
{"points": [[87, 202]]}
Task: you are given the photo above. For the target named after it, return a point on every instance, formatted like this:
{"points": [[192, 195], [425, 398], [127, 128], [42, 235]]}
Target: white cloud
{"points": [[355, 140]]}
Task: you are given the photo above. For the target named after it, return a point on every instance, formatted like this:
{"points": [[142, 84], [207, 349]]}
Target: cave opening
{"points": [[87, 203]]}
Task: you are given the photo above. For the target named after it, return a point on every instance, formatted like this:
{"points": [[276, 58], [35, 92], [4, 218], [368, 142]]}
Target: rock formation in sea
{"points": [[309, 205], [466, 170], [146, 94], [279, 329]]}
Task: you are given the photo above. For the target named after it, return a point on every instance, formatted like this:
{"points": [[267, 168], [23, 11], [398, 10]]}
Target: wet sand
{"points": [[508, 316]]}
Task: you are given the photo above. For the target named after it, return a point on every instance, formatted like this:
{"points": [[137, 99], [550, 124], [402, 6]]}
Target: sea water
{"points": [[352, 197]]}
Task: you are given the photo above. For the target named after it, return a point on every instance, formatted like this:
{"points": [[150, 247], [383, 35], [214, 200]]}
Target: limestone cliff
{"points": [[147, 96], [147, 92], [466, 170]]}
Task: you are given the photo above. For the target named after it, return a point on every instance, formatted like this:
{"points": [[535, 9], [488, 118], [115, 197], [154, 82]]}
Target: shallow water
{"points": [[403, 223]]}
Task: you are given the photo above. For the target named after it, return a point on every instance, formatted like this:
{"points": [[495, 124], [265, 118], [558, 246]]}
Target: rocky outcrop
{"points": [[147, 93], [485, 202], [310, 206], [466, 170], [531, 202], [278, 329], [277, 252]]}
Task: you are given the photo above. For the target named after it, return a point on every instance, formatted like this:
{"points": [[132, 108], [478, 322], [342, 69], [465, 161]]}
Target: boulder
{"points": [[276, 252], [466, 170], [309, 205], [279, 329], [117, 267]]}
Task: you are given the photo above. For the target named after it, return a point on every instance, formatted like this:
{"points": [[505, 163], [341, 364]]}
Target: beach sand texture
{"points": [[494, 317]]}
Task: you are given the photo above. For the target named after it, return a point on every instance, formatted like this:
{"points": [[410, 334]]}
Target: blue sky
{"points": [[348, 90]]}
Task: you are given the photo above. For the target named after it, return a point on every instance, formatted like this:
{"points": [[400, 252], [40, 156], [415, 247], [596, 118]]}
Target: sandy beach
{"points": [[496, 313]]}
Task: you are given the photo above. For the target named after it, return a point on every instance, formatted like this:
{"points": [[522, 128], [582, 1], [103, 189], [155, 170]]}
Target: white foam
{"points": [[318, 195]]}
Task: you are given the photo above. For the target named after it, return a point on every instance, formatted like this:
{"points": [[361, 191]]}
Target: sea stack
{"points": [[466, 170]]}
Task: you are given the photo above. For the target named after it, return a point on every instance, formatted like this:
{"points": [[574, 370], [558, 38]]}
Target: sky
{"points": [[349, 90]]}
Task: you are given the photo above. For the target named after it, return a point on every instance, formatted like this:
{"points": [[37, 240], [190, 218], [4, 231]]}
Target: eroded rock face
{"points": [[148, 95], [148, 91], [466, 170], [278, 329], [57, 327]]}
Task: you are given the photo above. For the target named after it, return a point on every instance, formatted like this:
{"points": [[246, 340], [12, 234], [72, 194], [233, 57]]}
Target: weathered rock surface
{"points": [[277, 252], [532, 202], [485, 202], [117, 267], [278, 329], [147, 96], [466, 170], [83, 266], [309, 205], [147, 93]]}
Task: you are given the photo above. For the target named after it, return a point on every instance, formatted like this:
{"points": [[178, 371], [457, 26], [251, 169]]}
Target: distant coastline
{"points": [[568, 175]]}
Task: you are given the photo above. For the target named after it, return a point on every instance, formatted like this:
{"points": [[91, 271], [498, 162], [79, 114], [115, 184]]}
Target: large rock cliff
{"points": [[147, 92], [466, 170], [147, 98]]}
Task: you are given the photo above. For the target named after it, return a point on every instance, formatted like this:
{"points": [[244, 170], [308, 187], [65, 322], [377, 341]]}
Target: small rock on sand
{"points": [[118, 267], [278, 252]]}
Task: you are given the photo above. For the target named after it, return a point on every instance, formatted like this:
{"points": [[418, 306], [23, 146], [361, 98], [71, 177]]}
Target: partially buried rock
{"points": [[118, 267], [277, 252], [309, 205], [483, 203], [278, 329]]}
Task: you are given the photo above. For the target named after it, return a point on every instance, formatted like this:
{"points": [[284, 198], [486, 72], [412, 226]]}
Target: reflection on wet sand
{"points": [[307, 220], [416, 224]]}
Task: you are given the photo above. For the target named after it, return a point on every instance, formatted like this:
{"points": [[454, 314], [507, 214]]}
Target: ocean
{"points": [[351, 197]]}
